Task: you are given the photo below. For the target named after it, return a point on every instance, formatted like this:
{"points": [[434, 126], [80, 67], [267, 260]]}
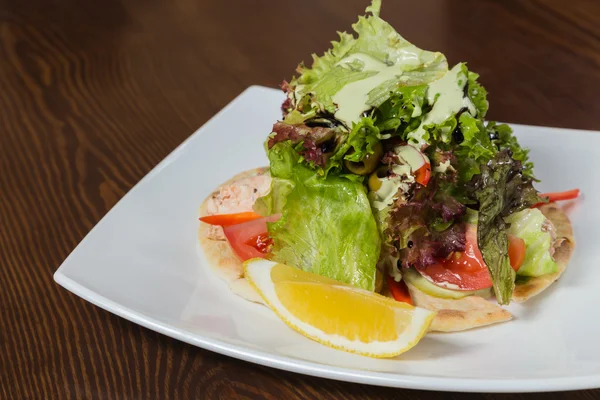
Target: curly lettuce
{"points": [[378, 40], [477, 94], [402, 111], [502, 136]]}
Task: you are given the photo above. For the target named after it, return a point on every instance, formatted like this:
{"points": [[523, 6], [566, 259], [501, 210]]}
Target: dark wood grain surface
{"points": [[93, 94]]}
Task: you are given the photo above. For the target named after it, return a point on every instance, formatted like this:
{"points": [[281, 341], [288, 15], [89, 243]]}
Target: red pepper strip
{"points": [[559, 196], [230, 219], [399, 290], [423, 174]]}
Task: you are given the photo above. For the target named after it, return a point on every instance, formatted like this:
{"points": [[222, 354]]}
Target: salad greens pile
{"points": [[335, 160]]}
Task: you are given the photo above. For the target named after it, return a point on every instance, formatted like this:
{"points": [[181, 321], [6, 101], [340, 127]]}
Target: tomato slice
{"points": [[423, 174], [559, 196], [230, 219], [399, 290], [461, 271], [250, 239], [262, 242], [516, 251], [467, 270]]}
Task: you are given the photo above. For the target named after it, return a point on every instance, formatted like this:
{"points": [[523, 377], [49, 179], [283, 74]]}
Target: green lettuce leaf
{"points": [[500, 190], [283, 160], [326, 227], [447, 100], [363, 137], [274, 201], [481, 143], [442, 132], [403, 111], [476, 147], [359, 142], [379, 40], [477, 94], [528, 225]]}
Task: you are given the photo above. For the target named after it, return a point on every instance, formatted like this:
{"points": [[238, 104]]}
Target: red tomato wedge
{"points": [[250, 239], [516, 251], [461, 271], [467, 270], [423, 174], [230, 219], [399, 290], [560, 196], [262, 242]]}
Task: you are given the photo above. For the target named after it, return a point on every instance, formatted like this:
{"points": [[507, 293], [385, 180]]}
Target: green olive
{"points": [[368, 163], [374, 181]]}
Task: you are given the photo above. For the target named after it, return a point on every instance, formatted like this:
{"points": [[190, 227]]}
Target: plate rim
{"points": [[287, 363]]}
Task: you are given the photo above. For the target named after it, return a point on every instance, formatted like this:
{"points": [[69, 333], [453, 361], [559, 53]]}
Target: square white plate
{"points": [[142, 262]]}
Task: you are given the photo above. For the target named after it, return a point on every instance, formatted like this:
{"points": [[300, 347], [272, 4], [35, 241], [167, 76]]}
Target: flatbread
{"points": [[460, 314], [474, 311], [452, 315], [219, 254], [562, 255]]}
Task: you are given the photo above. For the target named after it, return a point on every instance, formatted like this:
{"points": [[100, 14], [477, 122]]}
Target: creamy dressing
{"points": [[387, 193], [351, 100], [447, 96], [395, 272], [411, 160], [442, 167]]}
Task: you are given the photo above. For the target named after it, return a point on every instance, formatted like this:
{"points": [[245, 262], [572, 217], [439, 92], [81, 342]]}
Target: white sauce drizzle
{"points": [[450, 99], [352, 98]]}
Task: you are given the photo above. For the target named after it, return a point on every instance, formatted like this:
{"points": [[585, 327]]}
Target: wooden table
{"points": [[93, 94]]}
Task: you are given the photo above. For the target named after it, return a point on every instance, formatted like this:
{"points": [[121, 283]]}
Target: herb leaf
{"points": [[501, 189]]}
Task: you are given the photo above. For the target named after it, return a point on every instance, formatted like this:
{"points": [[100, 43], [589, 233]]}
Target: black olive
{"points": [[458, 136], [328, 146]]}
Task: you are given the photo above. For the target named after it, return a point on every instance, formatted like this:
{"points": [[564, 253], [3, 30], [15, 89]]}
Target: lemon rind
{"points": [[420, 322]]}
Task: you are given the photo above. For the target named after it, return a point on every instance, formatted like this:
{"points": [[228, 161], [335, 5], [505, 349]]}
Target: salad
{"points": [[385, 176]]}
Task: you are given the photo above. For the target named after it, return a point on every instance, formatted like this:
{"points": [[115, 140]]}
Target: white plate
{"points": [[141, 262]]}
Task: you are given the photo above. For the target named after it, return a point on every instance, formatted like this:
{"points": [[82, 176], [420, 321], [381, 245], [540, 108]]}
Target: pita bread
{"points": [[461, 314], [219, 254], [452, 315], [474, 311]]}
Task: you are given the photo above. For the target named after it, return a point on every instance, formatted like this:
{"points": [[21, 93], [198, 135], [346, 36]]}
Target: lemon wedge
{"points": [[335, 314]]}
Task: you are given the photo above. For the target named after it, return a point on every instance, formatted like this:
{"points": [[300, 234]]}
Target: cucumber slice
{"points": [[417, 280]]}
